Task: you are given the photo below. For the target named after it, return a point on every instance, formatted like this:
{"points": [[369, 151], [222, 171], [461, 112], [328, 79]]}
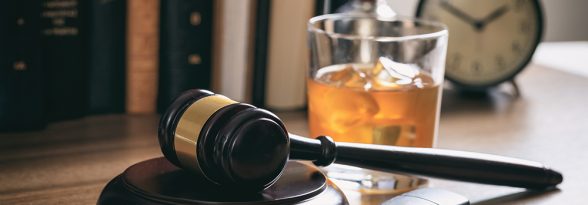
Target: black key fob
{"points": [[428, 196]]}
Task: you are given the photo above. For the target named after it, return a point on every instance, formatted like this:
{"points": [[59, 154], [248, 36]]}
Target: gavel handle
{"points": [[448, 164]]}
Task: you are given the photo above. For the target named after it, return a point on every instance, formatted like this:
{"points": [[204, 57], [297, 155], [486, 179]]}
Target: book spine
{"points": [[22, 98], [336, 6], [260, 51], [64, 58], [233, 49], [321, 7], [142, 61], [287, 64], [185, 57], [107, 25]]}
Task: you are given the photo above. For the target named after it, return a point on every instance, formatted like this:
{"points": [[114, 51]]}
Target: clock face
{"points": [[489, 41]]}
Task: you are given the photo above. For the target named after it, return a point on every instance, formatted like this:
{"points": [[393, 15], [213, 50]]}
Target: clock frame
{"points": [[523, 62]]}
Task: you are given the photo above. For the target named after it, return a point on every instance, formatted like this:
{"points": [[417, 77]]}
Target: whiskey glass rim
{"points": [[440, 29]]}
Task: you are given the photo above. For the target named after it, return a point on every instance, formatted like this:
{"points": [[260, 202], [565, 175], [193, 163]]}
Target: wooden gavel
{"points": [[237, 145]]}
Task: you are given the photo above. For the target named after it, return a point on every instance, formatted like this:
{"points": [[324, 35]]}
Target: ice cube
{"points": [[350, 76], [399, 70], [395, 134], [346, 109], [423, 80], [388, 74], [358, 79], [334, 75], [386, 135]]}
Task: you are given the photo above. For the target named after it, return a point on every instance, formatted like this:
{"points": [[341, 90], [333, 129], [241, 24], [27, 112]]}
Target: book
{"points": [[287, 63], [185, 55], [329, 6], [260, 52], [22, 91], [64, 58], [142, 51], [233, 48], [107, 25]]}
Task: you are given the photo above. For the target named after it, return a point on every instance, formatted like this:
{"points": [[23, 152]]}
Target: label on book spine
{"points": [[185, 54]]}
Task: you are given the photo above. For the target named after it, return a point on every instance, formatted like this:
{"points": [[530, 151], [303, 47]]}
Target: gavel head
{"points": [[231, 144]]}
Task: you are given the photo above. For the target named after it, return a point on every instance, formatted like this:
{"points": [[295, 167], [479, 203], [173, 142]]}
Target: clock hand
{"points": [[458, 13], [493, 16]]}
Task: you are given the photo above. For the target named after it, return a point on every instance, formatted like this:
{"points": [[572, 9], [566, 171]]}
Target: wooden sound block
{"points": [[157, 181]]}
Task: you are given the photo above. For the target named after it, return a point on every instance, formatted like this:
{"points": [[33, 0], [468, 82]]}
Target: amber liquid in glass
{"points": [[375, 105]]}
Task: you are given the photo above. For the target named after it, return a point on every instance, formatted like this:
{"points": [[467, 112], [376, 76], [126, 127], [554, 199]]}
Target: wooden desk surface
{"points": [[70, 162]]}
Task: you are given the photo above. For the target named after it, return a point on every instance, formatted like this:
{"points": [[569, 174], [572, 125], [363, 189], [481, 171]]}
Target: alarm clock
{"points": [[490, 41]]}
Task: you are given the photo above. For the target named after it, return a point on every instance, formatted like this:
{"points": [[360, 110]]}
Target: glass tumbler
{"points": [[375, 80]]}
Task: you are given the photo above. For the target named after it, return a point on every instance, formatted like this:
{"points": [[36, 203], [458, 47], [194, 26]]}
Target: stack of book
{"points": [[65, 59]]}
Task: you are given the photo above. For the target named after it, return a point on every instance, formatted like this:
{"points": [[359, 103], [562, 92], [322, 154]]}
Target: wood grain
{"points": [[69, 163]]}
